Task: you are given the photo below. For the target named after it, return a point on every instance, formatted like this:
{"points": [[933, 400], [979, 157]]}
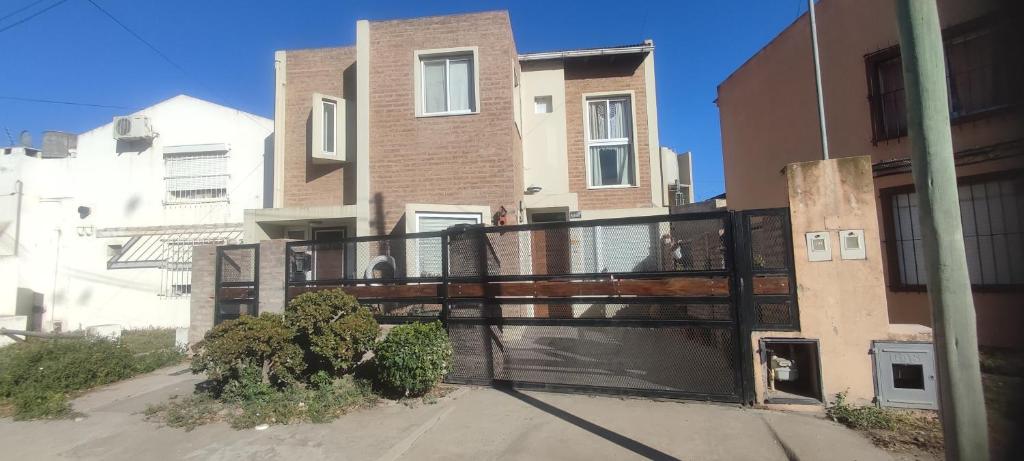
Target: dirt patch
{"points": [[918, 435]]}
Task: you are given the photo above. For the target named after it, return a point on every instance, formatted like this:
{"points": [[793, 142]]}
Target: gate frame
{"points": [[737, 267], [219, 283]]}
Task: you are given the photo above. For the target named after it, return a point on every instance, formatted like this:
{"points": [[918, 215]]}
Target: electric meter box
{"points": [[851, 244], [819, 247]]}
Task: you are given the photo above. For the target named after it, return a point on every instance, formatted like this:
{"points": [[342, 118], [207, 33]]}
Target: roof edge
{"points": [[629, 49]]}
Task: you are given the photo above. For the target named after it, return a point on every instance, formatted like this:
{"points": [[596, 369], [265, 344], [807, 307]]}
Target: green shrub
{"points": [[233, 349], [37, 375], [188, 413], [144, 340], [413, 358], [866, 417], [333, 329]]}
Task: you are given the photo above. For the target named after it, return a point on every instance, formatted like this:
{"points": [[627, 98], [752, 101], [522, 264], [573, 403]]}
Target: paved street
{"points": [[470, 423]]}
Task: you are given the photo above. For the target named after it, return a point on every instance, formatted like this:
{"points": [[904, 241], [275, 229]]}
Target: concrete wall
{"points": [[12, 322], [545, 162], [63, 254], [769, 119], [842, 302]]}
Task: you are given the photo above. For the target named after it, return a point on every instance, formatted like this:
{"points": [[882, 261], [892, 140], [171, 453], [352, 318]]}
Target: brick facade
{"points": [[314, 71], [598, 76], [456, 160], [204, 271]]}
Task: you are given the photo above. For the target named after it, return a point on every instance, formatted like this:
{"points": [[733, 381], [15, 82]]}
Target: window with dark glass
{"points": [[992, 221], [978, 75]]}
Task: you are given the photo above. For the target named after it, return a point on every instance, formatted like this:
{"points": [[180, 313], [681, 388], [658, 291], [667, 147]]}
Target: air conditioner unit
{"points": [[132, 128]]}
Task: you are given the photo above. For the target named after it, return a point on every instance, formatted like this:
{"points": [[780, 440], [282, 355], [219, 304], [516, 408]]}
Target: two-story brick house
{"points": [[436, 121]]}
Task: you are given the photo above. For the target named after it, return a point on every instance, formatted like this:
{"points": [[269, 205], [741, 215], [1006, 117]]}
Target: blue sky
{"points": [[225, 50]]}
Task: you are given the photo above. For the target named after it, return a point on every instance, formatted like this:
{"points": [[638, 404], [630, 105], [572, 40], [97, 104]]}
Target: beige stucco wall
{"points": [[768, 119], [768, 106], [842, 302], [545, 163]]}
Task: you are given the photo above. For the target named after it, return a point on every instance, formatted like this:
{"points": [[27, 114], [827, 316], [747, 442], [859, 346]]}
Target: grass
{"points": [[39, 377], [254, 406], [905, 430], [897, 430]]}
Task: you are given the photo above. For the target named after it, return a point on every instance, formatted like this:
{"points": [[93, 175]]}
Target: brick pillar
{"points": [[204, 268], [272, 273]]}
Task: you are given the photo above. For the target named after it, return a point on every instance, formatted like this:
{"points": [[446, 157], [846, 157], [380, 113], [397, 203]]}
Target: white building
{"points": [[103, 234]]}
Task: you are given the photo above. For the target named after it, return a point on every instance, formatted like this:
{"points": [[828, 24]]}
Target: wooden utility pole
{"points": [[962, 403]]}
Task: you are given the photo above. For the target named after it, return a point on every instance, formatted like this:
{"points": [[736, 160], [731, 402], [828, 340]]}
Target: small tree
{"points": [[236, 348], [333, 329]]}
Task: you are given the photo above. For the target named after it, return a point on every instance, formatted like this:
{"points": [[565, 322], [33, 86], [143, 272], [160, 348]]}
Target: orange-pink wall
{"points": [[769, 119]]}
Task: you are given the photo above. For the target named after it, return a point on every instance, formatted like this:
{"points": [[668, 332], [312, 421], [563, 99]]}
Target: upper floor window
{"points": [[978, 80], [610, 156], [447, 84], [193, 177], [992, 219], [330, 129]]}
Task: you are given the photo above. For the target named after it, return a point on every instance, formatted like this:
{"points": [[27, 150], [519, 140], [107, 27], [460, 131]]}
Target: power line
{"points": [[19, 10], [138, 37], [37, 13], [160, 53], [68, 103]]}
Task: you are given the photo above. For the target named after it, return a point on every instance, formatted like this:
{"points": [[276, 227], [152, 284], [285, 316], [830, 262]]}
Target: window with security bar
{"points": [[196, 177], [177, 271], [980, 76], [992, 219]]}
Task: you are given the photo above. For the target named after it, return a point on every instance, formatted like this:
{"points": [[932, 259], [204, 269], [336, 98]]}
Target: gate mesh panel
{"points": [[773, 315], [682, 358], [593, 310], [238, 264], [665, 353], [688, 245], [387, 259], [768, 242], [428, 311]]}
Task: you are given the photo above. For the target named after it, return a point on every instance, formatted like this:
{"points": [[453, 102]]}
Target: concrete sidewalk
{"points": [[471, 423]]}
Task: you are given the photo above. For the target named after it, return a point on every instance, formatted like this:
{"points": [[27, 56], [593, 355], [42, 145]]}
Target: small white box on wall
{"points": [[819, 247], [851, 244]]}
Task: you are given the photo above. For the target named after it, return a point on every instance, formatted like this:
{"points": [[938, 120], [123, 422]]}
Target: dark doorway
{"points": [[329, 260]]}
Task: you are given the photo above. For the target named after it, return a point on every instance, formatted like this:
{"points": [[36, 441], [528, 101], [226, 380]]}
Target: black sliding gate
{"points": [[645, 305]]}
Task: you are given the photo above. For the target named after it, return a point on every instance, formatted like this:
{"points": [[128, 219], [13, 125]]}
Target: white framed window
{"points": [[428, 250], [446, 82], [328, 129], [611, 160], [195, 177]]}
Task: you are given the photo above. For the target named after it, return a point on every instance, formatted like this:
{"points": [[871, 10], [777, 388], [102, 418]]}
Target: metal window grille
{"points": [[176, 279], [196, 177], [979, 78], [992, 218]]}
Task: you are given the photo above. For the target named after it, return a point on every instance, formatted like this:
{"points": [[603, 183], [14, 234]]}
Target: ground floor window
{"points": [[428, 250], [992, 219]]}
